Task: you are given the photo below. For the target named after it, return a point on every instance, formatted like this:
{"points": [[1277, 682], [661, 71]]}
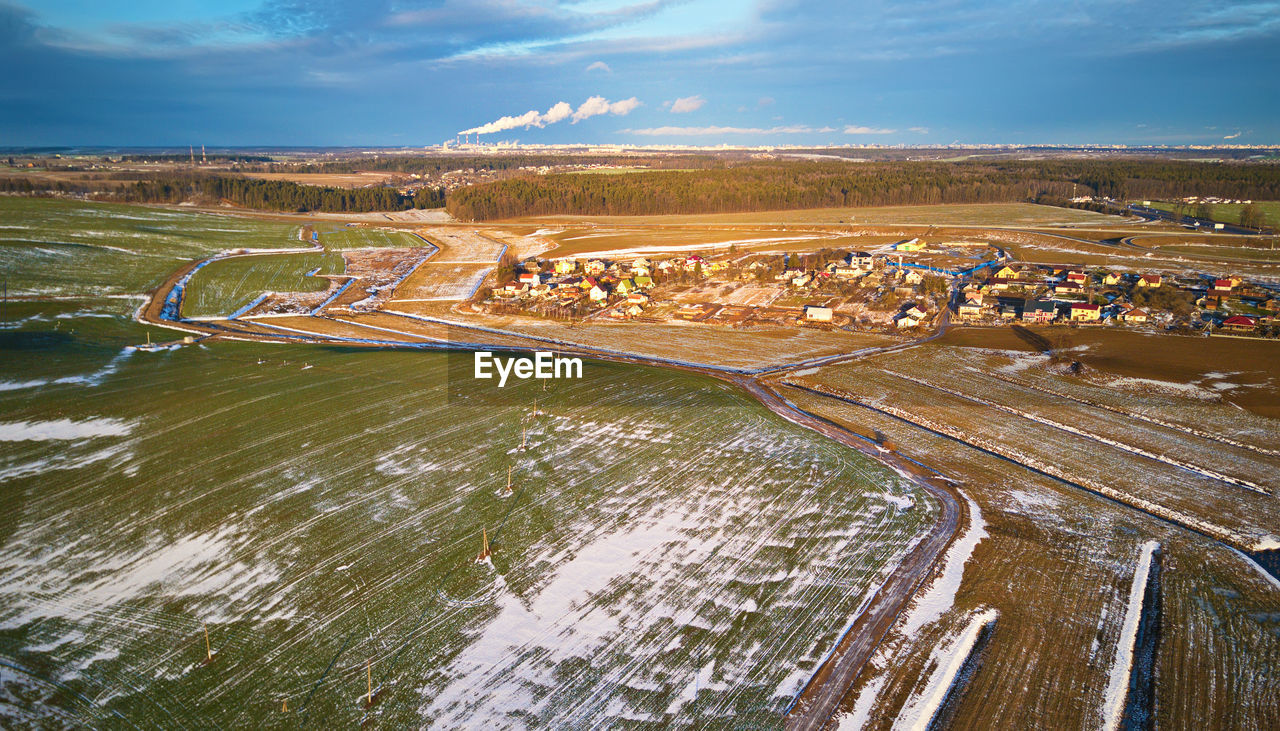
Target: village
{"points": [[879, 292]]}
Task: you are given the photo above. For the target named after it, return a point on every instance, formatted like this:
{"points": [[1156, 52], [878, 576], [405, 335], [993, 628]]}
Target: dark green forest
{"points": [[280, 195], [791, 185], [713, 185]]}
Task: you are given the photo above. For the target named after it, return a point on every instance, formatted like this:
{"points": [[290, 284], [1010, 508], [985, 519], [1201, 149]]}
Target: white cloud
{"points": [[599, 66], [686, 104], [919, 130], [854, 129], [717, 130], [765, 101], [598, 105], [1231, 137]]}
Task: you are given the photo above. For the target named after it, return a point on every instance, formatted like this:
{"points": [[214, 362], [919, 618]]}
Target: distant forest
{"points": [[760, 186], [702, 184], [280, 195]]}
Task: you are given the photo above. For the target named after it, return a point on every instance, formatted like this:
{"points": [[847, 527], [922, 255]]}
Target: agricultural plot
{"points": [[320, 511], [462, 246], [1057, 565], [225, 286], [360, 237], [440, 281], [1194, 481], [62, 248]]}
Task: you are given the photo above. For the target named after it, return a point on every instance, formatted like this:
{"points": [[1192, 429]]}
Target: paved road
{"points": [[1203, 224]]}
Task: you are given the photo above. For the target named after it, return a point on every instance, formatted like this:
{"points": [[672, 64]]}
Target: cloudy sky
{"points": [[414, 72]]}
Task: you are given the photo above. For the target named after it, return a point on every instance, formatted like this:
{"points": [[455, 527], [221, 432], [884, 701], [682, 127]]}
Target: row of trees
{"points": [[719, 185], [757, 186], [280, 195]]}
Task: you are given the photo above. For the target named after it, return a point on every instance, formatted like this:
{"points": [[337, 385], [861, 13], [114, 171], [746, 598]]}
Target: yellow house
{"points": [[566, 266], [1085, 313], [1006, 273], [1111, 278], [909, 245], [1149, 280]]}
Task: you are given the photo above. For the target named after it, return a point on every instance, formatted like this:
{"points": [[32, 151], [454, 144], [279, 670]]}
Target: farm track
{"points": [[820, 698]]}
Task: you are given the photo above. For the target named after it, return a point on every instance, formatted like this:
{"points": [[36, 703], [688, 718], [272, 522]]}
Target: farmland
{"points": [[358, 237], [309, 546], [224, 286], [1050, 651], [671, 552], [66, 248], [1230, 212]]}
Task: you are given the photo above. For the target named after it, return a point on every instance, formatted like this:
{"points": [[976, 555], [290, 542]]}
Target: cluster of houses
{"points": [[1044, 294], [596, 283]]}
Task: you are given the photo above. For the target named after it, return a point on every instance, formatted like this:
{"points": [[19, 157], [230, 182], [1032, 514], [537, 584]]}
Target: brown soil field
{"points": [[1057, 562], [1254, 364]]}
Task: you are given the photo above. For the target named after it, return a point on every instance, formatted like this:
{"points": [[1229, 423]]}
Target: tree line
{"points": [[721, 185], [279, 195], [754, 186], [270, 195]]}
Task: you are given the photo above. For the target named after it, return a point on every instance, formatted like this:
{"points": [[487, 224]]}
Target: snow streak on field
{"points": [[671, 552]]}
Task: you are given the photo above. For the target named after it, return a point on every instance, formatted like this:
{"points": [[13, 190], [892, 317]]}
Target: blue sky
{"points": [[415, 72]]}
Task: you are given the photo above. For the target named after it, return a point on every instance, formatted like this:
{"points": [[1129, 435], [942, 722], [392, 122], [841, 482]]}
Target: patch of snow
{"points": [[64, 430], [918, 713], [1118, 684], [930, 607]]}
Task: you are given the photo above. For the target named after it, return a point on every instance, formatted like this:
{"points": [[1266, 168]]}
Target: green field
{"points": [[331, 515], [223, 286], [69, 248], [355, 237], [1229, 212], [672, 553]]}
